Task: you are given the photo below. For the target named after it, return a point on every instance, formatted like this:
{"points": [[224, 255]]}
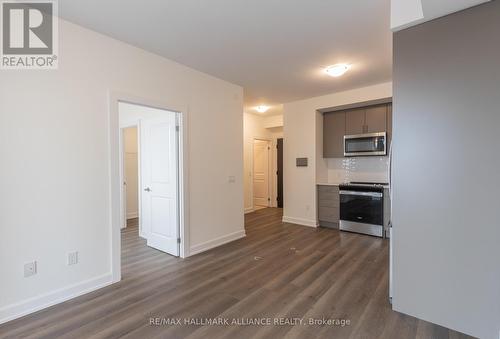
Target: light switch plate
{"points": [[72, 258], [29, 269]]}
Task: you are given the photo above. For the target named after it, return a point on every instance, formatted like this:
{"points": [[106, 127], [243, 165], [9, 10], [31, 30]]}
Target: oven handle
{"points": [[364, 194]]}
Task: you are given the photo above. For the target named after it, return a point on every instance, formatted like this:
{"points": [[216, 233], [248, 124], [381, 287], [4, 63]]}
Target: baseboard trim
{"points": [[132, 215], [249, 210], [20, 309], [216, 242], [300, 221]]}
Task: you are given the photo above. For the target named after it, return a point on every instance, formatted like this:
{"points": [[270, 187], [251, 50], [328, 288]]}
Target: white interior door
{"points": [[261, 195], [159, 179]]}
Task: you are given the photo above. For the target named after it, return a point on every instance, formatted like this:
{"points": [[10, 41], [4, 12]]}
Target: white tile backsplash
{"points": [[374, 169]]}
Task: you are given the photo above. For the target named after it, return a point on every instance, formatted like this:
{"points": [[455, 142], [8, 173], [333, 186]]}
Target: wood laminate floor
{"points": [[278, 271]]}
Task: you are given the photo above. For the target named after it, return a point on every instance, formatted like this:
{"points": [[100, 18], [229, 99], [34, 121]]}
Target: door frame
{"points": [[116, 180], [123, 196], [270, 166], [282, 170]]}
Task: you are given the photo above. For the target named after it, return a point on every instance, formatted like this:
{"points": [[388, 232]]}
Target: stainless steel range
{"points": [[362, 208]]}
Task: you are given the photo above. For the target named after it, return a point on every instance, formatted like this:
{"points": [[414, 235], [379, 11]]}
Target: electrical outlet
{"points": [[72, 258], [231, 179], [29, 269]]}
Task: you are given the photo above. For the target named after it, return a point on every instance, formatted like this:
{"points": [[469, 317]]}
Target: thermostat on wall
{"points": [[301, 162]]}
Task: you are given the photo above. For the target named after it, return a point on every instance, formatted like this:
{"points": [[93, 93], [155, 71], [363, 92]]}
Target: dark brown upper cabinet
{"points": [[333, 134], [355, 122], [371, 119], [376, 119], [366, 120]]}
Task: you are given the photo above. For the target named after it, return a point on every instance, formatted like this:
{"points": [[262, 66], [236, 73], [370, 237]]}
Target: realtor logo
{"points": [[29, 34]]}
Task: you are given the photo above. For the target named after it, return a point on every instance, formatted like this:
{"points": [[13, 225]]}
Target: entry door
{"points": [[159, 181], [279, 173], [261, 173]]}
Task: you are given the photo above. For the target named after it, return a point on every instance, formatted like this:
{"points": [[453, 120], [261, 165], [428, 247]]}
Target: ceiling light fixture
{"points": [[337, 70], [262, 108]]}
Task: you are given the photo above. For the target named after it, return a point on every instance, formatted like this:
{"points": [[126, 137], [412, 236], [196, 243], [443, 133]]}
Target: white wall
{"points": [[273, 121], [131, 171], [54, 178], [303, 138], [446, 165], [259, 127]]}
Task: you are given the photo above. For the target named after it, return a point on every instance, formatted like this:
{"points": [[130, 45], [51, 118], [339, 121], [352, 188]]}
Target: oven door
{"points": [[362, 207], [365, 144]]}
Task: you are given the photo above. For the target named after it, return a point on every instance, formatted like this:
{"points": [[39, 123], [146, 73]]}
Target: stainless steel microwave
{"points": [[365, 144]]}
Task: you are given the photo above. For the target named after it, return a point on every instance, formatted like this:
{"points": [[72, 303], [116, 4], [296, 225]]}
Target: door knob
{"points": [[147, 189]]}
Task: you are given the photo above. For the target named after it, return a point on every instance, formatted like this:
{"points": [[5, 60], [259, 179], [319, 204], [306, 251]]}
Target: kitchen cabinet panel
{"points": [[333, 134], [329, 203], [376, 119], [328, 199], [327, 196], [328, 192], [328, 206], [330, 214], [328, 189], [370, 119], [355, 122]]}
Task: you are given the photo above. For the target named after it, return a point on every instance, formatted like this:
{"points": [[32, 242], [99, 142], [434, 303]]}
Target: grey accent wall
{"points": [[446, 171]]}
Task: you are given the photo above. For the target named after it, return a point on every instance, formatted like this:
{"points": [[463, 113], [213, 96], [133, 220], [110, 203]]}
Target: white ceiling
{"points": [[275, 49], [407, 13]]}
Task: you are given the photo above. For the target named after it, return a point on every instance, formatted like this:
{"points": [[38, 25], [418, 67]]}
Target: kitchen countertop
{"points": [[338, 183], [328, 183]]}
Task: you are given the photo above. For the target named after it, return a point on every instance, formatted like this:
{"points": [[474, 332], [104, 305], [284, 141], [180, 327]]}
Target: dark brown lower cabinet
{"points": [[328, 206]]}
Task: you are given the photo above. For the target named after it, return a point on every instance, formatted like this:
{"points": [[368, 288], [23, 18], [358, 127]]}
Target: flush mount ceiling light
{"points": [[261, 108], [337, 70]]}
